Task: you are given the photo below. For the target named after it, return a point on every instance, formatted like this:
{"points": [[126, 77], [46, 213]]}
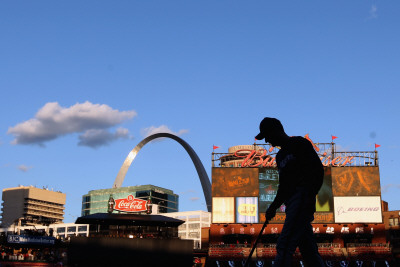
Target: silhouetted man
{"points": [[300, 178]]}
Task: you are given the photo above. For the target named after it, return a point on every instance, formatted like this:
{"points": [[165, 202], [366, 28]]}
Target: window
{"points": [[194, 226], [194, 235], [393, 221], [71, 229], [60, 230], [82, 228], [142, 194]]}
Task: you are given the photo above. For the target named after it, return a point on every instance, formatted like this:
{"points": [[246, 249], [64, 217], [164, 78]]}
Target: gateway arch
{"points": [[204, 180]]}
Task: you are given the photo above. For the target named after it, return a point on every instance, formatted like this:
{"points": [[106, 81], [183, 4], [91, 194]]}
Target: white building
{"points": [[194, 221]]}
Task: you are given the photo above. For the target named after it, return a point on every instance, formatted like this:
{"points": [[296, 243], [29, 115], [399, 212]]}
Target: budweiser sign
{"points": [[130, 204]]}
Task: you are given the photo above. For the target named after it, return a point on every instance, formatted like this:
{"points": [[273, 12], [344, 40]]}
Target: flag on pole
{"points": [[215, 147], [333, 137], [376, 145]]}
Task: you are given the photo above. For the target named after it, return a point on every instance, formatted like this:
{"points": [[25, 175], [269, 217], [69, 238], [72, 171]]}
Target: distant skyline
{"points": [[82, 83]]}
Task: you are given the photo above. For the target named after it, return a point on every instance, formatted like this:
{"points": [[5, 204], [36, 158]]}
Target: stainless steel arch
{"points": [[204, 180]]}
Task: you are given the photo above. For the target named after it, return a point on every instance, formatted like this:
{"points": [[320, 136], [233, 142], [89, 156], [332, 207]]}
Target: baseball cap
{"points": [[268, 124]]}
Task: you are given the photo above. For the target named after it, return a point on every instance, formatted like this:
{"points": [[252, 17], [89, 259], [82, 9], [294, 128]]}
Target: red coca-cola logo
{"points": [[130, 204]]}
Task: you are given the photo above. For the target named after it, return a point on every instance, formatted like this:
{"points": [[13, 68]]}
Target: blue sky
{"points": [[83, 82]]}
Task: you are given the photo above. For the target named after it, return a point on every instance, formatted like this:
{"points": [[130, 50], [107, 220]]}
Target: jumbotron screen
{"points": [[248, 192]]}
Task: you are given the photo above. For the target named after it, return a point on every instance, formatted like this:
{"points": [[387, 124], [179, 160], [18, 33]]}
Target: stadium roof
{"points": [[129, 219]]}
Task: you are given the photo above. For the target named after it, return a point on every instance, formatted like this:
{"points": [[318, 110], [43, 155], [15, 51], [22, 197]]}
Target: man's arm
{"points": [[280, 197]]}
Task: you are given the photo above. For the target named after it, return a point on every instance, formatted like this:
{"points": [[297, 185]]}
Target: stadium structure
{"points": [[348, 225]]}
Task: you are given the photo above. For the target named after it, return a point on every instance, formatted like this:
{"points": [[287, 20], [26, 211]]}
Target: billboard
{"points": [[362, 209], [234, 182], [130, 204], [324, 201], [356, 181], [223, 210], [246, 210]]}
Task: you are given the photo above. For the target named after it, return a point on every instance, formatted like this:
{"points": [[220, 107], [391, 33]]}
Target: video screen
{"points": [[235, 182], [356, 181], [324, 201], [223, 210], [268, 187], [246, 210]]}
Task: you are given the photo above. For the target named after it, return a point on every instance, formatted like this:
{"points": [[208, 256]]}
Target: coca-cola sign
{"points": [[130, 204]]}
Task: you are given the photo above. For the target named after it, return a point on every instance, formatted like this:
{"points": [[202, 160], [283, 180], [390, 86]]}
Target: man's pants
{"points": [[297, 231]]}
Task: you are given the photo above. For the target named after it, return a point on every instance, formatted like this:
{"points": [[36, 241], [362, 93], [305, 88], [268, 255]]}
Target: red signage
{"points": [[130, 204], [260, 158]]}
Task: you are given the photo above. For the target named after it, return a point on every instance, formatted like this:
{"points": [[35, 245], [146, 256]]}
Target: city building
{"points": [[194, 222], [30, 205], [96, 201]]}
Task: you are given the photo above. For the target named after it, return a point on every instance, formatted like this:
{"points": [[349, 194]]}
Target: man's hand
{"points": [[270, 213]]}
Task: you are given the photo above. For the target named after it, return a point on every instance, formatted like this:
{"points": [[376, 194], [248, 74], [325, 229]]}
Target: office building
{"points": [[96, 201], [30, 205]]}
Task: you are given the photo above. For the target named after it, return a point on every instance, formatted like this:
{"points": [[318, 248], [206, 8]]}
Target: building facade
{"points": [[30, 205], [96, 201], [194, 222]]}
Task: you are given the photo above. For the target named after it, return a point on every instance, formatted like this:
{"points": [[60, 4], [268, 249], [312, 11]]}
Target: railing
{"points": [[229, 251], [368, 251], [44, 203], [230, 245], [49, 210], [31, 212], [328, 251]]}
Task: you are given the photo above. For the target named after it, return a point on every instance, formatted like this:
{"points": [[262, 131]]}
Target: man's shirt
{"points": [[298, 166]]}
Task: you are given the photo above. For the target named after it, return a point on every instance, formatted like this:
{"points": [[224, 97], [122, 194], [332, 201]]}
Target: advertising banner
{"points": [[130, 204], [246, 210], [223, 210], [319, 217], [358, 209], [356, 181], [234, 182], [323, 217], [31, 240]]}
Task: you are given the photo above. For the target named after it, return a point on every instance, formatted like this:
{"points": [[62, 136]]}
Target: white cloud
{"points": [[24, 168], [193, 199], [53, 121], [386, 188], [95, 138], [161, 129], [373, 12], [189, 191], [5, 165]]}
